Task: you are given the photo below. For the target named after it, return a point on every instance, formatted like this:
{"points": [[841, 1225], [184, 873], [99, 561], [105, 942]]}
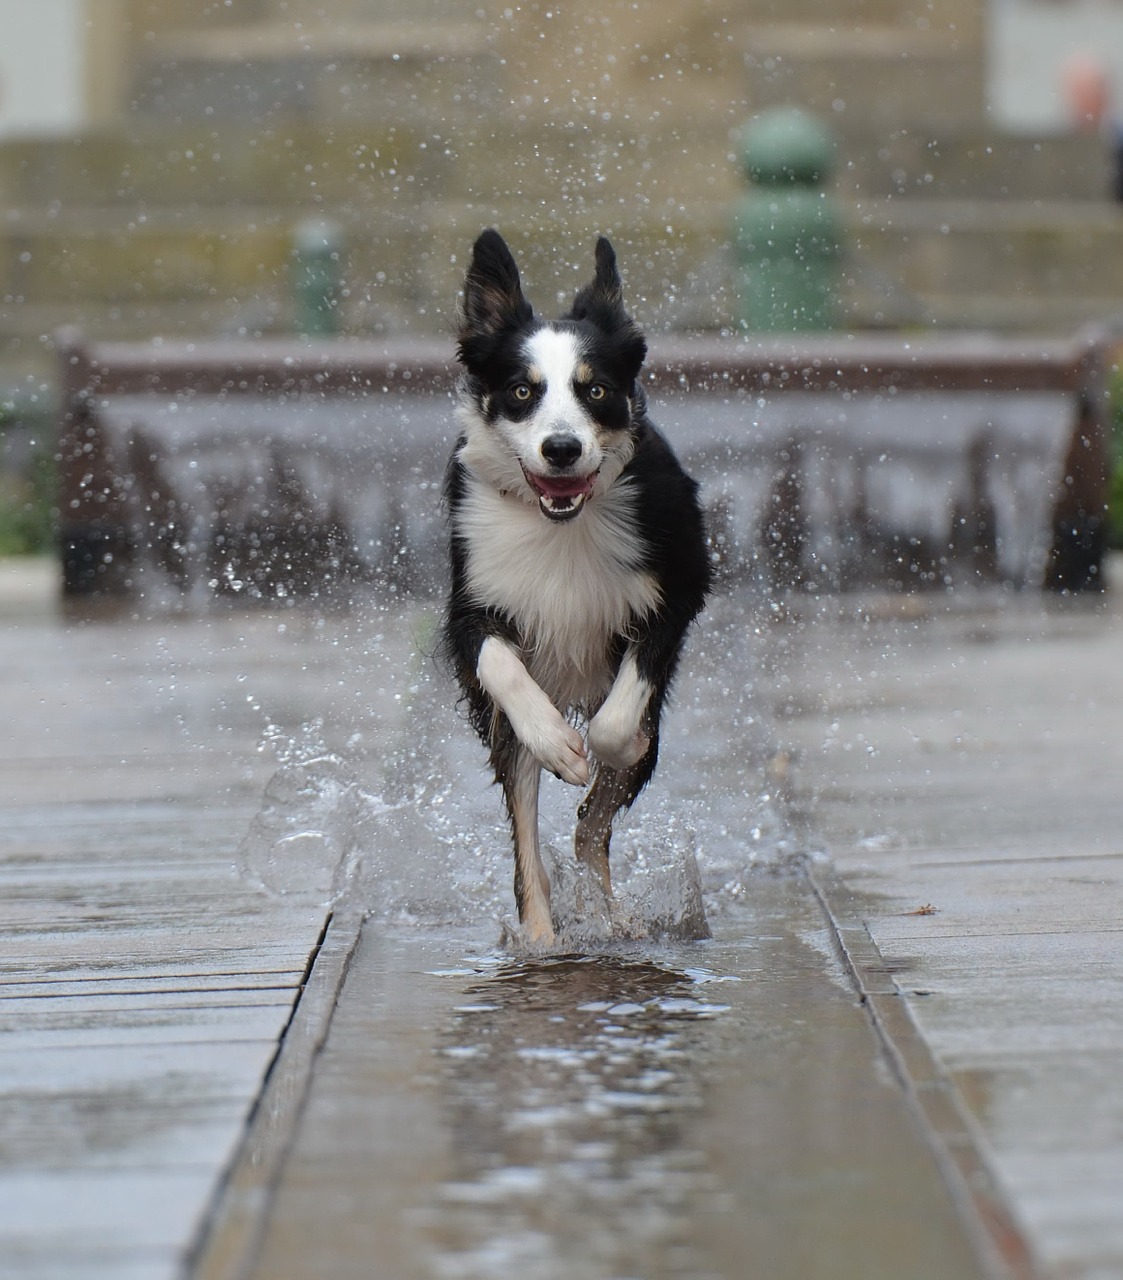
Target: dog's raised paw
{"points": [[618, 750], [561, 749]]}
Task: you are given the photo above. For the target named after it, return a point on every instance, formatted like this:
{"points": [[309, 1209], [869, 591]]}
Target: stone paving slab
{"points": [[102, 1264], [144, 982], [192, 983], [132, 1029], [962, 767], [1015, 896], [122, 1211]]}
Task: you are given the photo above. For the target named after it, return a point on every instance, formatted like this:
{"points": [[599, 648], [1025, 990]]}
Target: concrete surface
{"points": [[144, 984], [708, 1110], [964, 769], [959, 763]]}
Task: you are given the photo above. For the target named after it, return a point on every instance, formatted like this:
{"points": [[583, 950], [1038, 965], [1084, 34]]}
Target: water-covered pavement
{"points": [[963, 768], [188, 798], [717, 1109]]}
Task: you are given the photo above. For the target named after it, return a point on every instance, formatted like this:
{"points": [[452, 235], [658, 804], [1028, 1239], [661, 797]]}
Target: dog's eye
{"points": [[597, 392], [521, 392]]}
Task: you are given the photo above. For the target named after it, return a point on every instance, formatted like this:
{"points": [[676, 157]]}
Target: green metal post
{"points": [[317, 277], [786, 231]]}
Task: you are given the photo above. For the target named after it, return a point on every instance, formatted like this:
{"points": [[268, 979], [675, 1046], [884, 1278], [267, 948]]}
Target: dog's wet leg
{"points": [[612, 790], [594, 825], [532, 885]]}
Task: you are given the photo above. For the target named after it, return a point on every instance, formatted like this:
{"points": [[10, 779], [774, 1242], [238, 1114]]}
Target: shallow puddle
{"points": [[711, 1109]]}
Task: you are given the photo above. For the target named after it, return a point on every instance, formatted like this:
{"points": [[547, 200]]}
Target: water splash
{"points": [[300, 844], [406, 822]]}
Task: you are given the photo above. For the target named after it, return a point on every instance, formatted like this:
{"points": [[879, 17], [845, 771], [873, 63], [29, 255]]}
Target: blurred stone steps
{"points": [[949, 15], [1013, 246], [193, 168], [972, 164], [190, 167], [1026, 265], [415, 131], [886, 77]]}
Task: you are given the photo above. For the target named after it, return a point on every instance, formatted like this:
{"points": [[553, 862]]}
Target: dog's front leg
{"points": [[532, 885], [616, 734], [537, 723]]}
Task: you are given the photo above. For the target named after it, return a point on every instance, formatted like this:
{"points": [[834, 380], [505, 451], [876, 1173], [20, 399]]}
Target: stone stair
{"points": [[414, 132]]}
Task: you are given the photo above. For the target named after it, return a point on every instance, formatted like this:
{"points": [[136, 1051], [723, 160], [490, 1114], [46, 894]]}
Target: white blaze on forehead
{"points": [[555, 357]]}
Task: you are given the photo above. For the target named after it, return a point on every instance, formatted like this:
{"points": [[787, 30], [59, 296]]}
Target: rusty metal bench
{"points": [[283, 468]]}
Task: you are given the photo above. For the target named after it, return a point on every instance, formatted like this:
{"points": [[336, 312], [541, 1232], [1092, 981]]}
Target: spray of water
{"points": [[405, 820]]}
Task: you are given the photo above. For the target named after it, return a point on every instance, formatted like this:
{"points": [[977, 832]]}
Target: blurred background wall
{"points": [[157, 157]]}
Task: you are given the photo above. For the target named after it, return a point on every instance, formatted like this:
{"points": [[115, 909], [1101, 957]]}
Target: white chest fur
{"points": [[570, 588]]}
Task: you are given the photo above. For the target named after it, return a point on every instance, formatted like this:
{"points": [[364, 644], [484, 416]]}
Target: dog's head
{"points": [[551, 407]]}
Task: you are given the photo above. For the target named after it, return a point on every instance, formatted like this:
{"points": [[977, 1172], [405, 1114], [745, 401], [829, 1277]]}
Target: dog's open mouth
{"points": [[560, 497]]}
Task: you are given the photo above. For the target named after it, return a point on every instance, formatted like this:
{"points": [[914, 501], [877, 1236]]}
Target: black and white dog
{"points": [[578, 556]]}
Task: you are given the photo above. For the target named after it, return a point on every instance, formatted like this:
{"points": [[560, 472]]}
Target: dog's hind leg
{"points": [[532, 885], [612, 790]]}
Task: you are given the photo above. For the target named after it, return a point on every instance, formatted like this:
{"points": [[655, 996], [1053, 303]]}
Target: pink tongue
{"points": [[563, 486]]}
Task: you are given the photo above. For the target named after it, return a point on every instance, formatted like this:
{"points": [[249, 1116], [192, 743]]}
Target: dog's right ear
{"points": [[493, 296]]}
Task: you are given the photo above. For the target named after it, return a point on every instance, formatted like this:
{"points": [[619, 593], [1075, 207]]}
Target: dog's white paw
{"points": [[615, 734], [617, 745], [558, 746], [537, 723]]}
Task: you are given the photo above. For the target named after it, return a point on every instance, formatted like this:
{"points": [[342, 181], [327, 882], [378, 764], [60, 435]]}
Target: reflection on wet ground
{"points": [[559, 1118], [648, 1110]]}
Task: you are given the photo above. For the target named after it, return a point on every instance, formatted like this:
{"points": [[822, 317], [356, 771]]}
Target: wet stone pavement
{"points": [[715, 1109], [895, 1061], [143, 983], [963, 770]]}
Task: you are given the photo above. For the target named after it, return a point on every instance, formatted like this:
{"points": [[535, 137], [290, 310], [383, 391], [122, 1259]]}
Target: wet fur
{"points": [[577, 551]]}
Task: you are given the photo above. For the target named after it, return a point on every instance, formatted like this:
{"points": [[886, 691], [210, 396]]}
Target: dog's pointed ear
{"points": [[493, 296], [602, 301]]}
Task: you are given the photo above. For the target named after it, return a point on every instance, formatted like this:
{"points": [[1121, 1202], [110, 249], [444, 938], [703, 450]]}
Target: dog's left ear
{"points": [[601, 302]]}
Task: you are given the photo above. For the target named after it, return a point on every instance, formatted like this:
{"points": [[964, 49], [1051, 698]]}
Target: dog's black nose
{"points": [[561, 450]]}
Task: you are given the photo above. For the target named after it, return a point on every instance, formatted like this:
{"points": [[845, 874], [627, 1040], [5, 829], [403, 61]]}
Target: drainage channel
{"points": [[708, 1110]]}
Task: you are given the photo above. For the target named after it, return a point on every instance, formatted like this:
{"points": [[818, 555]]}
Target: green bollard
{"points": [[317, 277], [786, 231]]}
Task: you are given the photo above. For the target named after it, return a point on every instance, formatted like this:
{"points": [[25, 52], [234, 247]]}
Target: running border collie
{"points": [[578, 556]]}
